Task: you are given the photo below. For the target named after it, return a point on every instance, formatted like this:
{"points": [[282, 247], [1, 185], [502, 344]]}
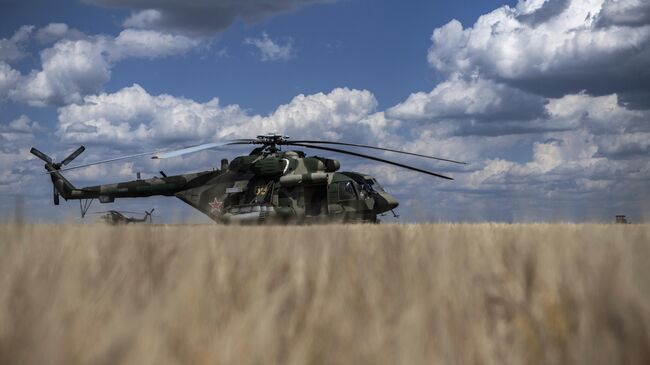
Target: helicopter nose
{"points": [[385, 202]]}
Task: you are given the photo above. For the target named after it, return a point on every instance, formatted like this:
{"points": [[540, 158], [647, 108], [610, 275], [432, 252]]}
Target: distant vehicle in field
{"points": [[621, 219], [115, 217]]}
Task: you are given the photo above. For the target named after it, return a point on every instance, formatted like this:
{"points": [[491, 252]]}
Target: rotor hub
{"points": [[272, 138], [271, 141]]}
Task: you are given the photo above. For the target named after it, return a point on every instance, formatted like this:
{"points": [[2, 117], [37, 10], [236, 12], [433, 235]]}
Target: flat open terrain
{"points": [[362, 294]]}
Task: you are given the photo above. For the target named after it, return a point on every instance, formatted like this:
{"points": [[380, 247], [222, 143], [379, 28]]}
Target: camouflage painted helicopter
{"points": [[115, 217], [268, 185]]}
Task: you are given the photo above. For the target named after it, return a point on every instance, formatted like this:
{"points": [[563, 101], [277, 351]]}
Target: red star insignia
{"points": [[215, 205]]}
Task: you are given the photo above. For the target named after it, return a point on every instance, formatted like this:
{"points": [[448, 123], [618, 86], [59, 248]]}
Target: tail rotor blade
{"points": [[73, 155], [40, 155], [55, 195]]}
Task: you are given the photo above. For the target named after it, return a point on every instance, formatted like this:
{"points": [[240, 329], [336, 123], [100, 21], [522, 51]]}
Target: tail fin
{"points": [[61, 186]]}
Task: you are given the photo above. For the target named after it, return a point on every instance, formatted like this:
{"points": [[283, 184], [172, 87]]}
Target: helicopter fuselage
{"points": [[277, 187]]}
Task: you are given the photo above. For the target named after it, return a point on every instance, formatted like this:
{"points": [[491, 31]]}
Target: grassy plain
{"points": [[360, 294]]}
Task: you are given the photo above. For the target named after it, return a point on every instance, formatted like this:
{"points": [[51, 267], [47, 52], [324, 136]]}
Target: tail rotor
{"points": [[57, 166], [53, 167], [148, 214]]}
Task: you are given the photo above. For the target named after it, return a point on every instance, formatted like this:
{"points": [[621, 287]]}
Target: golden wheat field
{"points": [[360, 294]]}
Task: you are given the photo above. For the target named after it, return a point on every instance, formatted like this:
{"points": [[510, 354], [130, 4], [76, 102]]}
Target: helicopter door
{"points": [[343, 197], [316, 199]]}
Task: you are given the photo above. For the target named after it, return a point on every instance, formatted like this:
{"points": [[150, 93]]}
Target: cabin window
{"points": [[346, 191]]}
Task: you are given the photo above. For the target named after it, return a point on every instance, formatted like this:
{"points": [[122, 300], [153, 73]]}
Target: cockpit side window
{"points": [[346, 191]]}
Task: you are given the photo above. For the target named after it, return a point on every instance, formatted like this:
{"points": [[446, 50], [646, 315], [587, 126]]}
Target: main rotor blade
{"points": [[193, 149], [245, 140], [115, 211], [377, 148], [159, 155], [103, 161], [373, 158]]}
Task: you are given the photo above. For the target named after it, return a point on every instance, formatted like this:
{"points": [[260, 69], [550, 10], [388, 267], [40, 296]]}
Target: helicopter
{"points": [[115, 217], [269, 185]]}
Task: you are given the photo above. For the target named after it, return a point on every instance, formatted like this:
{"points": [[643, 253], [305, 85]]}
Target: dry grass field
{"points": [[362, 294]]}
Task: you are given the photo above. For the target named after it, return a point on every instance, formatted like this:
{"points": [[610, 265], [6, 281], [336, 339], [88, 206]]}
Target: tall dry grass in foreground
{"points": [[449, 294]]}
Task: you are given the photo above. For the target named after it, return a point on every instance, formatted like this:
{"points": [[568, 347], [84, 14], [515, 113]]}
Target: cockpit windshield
{"points": [[372, 184]]}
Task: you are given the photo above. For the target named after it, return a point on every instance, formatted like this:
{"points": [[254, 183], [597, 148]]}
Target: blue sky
{"points": [[365, 44], [547, 100]]}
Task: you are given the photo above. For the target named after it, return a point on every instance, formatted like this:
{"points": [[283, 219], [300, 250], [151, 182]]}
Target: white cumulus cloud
{"points": [[149, 44], [57, 31], [13, 49], [8, 79], [562, 50], [271, 50], [476, 99], [74, 67], [131, 116]]}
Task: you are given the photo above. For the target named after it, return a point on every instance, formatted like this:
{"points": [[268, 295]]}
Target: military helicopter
{"points": [[267, 186], [115, 217]]}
